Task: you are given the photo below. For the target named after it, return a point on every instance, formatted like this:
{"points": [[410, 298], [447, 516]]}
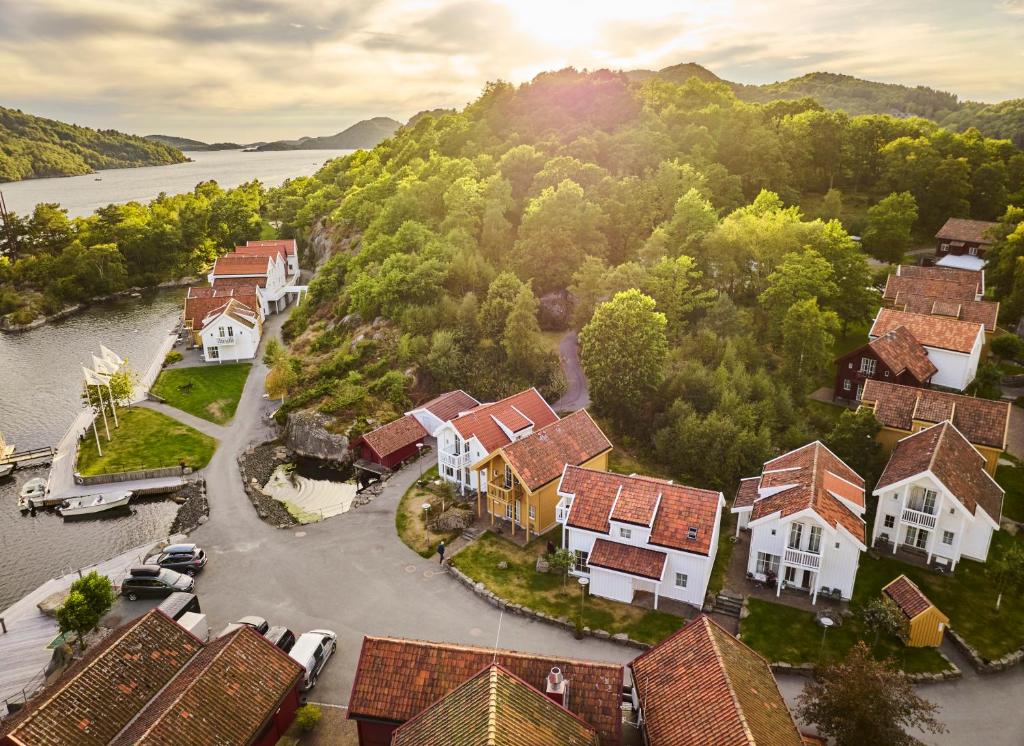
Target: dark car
{"points": [[153, 581], [186, 558], [282, 637]]}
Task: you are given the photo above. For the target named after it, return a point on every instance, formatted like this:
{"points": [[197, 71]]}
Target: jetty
{"points": [[11, 456]]}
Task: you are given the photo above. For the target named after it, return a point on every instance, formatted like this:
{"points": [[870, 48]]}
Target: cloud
{"points": [[267, 69]]}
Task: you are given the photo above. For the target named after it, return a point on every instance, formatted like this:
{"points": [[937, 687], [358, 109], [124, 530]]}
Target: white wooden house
{"points": [[936, 499], [804, 514], [231, 332], [439, 410], [635, 534], [265, 270], [953, 346]]}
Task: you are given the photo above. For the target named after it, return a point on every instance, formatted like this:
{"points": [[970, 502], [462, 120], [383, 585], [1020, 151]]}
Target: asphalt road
{"points": [[577, 394]]}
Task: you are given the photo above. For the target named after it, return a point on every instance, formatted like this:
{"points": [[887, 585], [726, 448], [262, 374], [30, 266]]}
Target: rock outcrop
{"points": [[306, 434]]}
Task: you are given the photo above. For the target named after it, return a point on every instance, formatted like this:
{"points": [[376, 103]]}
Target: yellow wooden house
{"points": [[925, 623], [521, 478]]}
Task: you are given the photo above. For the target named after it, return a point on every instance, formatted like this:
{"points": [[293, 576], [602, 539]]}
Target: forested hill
{"points": [[857, 96], [33, 147], [364, 134], [185, 143]]}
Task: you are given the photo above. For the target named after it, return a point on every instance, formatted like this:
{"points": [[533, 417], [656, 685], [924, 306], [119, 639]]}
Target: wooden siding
{"points": [[888, 437], [927, 628]]}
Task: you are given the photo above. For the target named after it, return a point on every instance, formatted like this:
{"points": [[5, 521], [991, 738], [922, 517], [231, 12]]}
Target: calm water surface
{"points": [[40, 380], [81, 195]]}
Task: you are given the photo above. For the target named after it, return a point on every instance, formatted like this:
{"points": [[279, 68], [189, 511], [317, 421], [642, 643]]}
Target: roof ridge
{"points": [[489, 651], [737, 707], [492, 705]]}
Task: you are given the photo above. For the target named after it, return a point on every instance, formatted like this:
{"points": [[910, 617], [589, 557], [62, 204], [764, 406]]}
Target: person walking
{"points": [[440, 553]]}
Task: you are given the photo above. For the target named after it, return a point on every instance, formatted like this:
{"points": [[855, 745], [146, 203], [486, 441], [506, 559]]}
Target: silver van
{"points": [[311, 651]]}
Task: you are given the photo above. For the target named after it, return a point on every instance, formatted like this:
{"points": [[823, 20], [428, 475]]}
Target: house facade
{"points": [[521, 479], [287, 247], [959, 237], [924, 624], [201, 301], [805, 517], [895, 356], [231, 332], [935, 499], [473, 434], [439, 410], [634, 533], [391, 444], [954, 347], [903, 410], [265, 270]]}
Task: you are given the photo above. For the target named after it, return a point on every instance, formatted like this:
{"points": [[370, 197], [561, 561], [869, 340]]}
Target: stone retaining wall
{"points": [[980, 664], [131, 476], [481, 590]]}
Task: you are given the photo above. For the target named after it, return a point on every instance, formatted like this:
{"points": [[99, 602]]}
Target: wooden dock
{"points": [[39, 456]]}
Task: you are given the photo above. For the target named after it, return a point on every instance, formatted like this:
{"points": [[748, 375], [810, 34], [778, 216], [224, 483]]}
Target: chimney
{"points": [[557, 688]]}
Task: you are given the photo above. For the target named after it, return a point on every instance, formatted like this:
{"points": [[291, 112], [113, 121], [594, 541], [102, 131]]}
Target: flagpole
{"points": [[113, 407], [96, 433], [99, 390]]}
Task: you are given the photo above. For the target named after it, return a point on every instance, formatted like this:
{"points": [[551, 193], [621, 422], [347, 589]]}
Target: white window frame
{"points": [[767, 563], [532, 511], [846, 384], [948, 538], [796, 535], [889, 521], [868, 366], [681, 580], [625, 533], [814, 540], [973, 251], [582, 558], [213, 353]]}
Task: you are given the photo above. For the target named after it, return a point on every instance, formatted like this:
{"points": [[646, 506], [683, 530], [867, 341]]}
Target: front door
{"points": [[517, 513], [790, 575], [806, 583], [917, 537]]}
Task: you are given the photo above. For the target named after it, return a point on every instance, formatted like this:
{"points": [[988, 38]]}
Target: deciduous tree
{"points": [[890, 221], [807, 337]]}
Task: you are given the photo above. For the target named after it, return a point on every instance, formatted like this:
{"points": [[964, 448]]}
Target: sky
{"points": [[247, 70]]}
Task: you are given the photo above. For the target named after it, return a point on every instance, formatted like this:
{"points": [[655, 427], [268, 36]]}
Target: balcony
{"points": [[562, 510], [454, 460], [799, 558], [225, 340], [918, 518], [504, 494]]}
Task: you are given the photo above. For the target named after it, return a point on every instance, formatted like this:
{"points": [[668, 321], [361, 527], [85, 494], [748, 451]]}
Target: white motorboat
{"points": [[86, 504], [33, 489]]}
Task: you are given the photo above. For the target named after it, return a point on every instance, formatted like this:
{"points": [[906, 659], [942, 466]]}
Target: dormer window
{"points": [[691, 533], [625, 533]]}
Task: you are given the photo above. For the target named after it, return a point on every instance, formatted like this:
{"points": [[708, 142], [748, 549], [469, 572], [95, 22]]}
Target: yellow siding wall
{"points": [[926, 629], [546, 498]]}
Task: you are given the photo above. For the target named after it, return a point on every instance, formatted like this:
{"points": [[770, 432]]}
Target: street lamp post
{"points": [[826, 624], [584, 582], [426, 515], [419, 457]]}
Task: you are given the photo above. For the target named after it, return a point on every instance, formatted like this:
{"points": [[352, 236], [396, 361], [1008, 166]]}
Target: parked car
{"points": [[282, 637], [153, 581], [312, 651], [178, 603], [186, 558], [258, 623]]}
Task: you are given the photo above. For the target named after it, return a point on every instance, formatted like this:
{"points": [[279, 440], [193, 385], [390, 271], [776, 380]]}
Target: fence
{"points": [[148, 378], [131, 476]]}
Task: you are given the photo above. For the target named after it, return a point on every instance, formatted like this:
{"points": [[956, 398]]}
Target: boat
{"points": [[86, 504], [33, 489], [6, 470]]}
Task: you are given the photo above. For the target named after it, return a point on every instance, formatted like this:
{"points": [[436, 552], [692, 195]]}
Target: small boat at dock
{"points": [[87, 504], [6, 470], [33, 490]]}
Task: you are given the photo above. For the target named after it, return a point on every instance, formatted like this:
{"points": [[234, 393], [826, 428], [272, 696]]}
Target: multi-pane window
{"points": [[680, 580], [923, 500], [890, 521], [867, 366], [767, 563], [846, 384], [947, 537], [581, 561], [814, 540], [533, 513], [625, 533], [691, 533], [796, 531], [508, 477]]}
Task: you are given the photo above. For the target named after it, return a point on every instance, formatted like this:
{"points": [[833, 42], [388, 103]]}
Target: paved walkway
{"points": [[577, 393], [198, 423], [1015, 433]]}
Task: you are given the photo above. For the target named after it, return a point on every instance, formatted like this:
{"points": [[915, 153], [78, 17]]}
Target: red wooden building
{"points": [[391, 444], [896, 357]]}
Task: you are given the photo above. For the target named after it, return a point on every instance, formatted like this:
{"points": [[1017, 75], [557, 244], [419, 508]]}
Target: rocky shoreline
{"points": [[256, 464], [193, 507]]}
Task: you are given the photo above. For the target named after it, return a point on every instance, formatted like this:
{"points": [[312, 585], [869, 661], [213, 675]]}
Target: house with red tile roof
{"points": [[936, 500], [230, 332], [521, 478], [895, 356], [441, 409], [472, 433], [288, 248], [406, 688], [953, 346], [805, 517], [924, 625], [635, 534], [703, 686], [152, 682], [265, 267], [959, 284], [200, 301], [391, 444], [903, 410], [964, 243]]}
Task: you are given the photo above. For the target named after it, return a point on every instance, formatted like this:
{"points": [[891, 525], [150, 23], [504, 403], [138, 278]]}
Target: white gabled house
{"points": [[639, 534], [266, 270], [231, 332], [954, 347], [471, 435], [441, 409], [805, 517], [286, 246], [935, 498]]}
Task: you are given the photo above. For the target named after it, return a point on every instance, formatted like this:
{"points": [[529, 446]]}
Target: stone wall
{"points": [[256, 464], [193, 510], [981, 665]]}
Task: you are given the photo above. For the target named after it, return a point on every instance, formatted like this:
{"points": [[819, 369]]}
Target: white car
{"points": [[311, 651]]}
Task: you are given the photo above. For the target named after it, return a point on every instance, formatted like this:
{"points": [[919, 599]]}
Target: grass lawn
{"points": [[621, 462], [782, 633], [145, 440], [213, 394], [725, 532], [1011, 479], [521, 583], [409, 518]]}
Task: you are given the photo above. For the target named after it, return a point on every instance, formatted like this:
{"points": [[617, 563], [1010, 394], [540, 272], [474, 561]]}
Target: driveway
{"points": [[350, 574], [577, 394]]}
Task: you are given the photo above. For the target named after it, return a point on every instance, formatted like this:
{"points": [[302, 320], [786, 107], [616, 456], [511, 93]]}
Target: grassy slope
{"points": [[409, 518], [145, 440], [214, 394]]}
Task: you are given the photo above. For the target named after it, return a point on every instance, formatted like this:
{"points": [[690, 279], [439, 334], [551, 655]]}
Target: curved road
{"points": [[352, 574], [577, 395]]}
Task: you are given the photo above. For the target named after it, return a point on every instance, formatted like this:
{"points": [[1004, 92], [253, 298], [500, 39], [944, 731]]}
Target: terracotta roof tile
{"points": [[481, 420], [395, 435], [953, 460], [288, 244], [702, 686], [397, 679], [979, 311], [227, 282], [673, 508], [967, 279], [970, 231], [747, 492], [235, 264], [540, 457], [907, 596], [497, 708], [272, 252], [235, 309], [899, 351], [897, 288], [448, 406], [812, 477], [982, 421], [931, 331], [628, 558]]}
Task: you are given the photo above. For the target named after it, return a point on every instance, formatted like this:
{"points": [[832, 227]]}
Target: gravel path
{"points": [[577, 394]]}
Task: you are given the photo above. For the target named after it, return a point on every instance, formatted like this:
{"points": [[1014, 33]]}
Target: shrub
{"points": [[308, 716], [173, 357], [1008, 347]]}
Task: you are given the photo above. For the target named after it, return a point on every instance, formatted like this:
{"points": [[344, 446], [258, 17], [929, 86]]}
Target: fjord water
{"points": [[40, 381], [81, 195]]}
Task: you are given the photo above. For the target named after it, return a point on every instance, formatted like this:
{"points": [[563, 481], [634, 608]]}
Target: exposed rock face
{"points": [[555, 310], [307, 435], [453, 519]]}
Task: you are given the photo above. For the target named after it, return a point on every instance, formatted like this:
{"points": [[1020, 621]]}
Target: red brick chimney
{"points": [[557, 687]]}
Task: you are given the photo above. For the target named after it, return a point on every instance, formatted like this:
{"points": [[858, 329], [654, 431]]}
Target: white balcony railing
{"points": [[803, 559], [918, 518], [454, 460], [225, 340], [562, 510]]}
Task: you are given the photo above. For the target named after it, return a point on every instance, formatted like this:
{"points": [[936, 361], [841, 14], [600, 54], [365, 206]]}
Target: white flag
{"points": [[111, 357], [102, 367], [91, 379]]}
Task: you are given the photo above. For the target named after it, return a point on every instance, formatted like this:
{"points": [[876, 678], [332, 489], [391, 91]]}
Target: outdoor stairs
{"points": [[472, 533], [728, 605]]}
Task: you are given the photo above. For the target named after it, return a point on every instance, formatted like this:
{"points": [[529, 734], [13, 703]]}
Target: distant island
{"points": [[365, 134], [187, 144], [1004, 120], [33, 147]]}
